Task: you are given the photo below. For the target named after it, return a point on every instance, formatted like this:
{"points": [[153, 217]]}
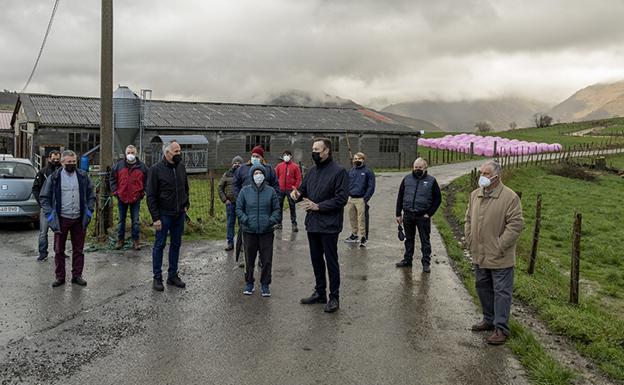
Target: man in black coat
{"points": [[168, 201], [53, 163], [324, 192]]}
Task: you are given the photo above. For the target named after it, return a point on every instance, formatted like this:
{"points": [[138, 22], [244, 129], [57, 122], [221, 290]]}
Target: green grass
{"points": [[596, 326]]}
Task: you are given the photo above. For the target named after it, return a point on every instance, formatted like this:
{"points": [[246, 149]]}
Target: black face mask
{"points": [[55, 164], [177, 158], [316, 157], [418, 173], [358, 163], [70, 168]]}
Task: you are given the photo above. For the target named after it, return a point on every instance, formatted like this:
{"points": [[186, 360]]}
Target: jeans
{"points": [[175, 227], [291, 206], [412, 222], [230, 216], [78, 233], [134, 219], [494, 288], [324, 252], [43, 234]]}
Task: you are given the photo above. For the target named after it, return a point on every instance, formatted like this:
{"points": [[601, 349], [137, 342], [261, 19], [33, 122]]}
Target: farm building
{"points": [[210, 133], [6, 133]]}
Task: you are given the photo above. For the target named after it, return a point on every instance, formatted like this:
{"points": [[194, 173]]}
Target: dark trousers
{"points": [[258, 244], [230, 220], [324, 251], [78, 233], [134, 219], [494, 288], [291, 206], [412, 222], [175, 227], [43, 234]]}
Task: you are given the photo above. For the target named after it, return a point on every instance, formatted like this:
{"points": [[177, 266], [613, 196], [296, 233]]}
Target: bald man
{"points": [[418, 200]]}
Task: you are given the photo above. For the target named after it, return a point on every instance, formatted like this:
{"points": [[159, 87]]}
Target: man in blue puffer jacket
{"points": [[258, 210]]}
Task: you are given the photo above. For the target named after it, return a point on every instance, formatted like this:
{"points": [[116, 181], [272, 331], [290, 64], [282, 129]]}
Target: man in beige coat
{"points": [[493, 225]]}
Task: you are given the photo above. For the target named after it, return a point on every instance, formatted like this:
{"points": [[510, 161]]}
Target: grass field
{"points": [[596, 326]]}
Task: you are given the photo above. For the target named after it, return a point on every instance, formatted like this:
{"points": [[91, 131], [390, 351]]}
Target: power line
{"points": [[45, 38]]}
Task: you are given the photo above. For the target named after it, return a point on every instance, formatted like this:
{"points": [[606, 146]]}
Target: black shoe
{"points": [[363, 242], [295, 229], [426, 269], [404, 263], [79, 281], [352, 238], [332, 305], [176, 281], [42, 257], [314, 298], [229, 247], [157, 285], [58, 282]]}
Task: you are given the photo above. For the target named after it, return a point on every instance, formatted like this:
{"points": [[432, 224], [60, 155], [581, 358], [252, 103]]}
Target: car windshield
{"points": [[16, 170]]}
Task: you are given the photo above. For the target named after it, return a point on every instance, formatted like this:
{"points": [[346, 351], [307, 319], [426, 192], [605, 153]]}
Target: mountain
{"points": [[462, 115], [307, 99], [598, 101], [417, 124]]}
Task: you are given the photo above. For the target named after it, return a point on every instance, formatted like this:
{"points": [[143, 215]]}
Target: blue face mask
{"points": [[255, 161]]}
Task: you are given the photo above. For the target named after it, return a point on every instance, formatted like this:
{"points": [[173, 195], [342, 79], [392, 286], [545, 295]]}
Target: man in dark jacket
{"points": [[67, 200], [127, 183], [324, 192], [226, 194], [419, 198], [168, 201], [53, 163], [258, 211], [361, 190], [242, 177], [289, 177]]}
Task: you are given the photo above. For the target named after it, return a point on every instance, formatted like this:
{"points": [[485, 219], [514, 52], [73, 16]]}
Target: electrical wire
{"points": [[45, 38]]}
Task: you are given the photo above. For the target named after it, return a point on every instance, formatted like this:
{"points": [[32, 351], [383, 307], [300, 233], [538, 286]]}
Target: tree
{"points": [[483, 126], [513, 125], [542, 120]]}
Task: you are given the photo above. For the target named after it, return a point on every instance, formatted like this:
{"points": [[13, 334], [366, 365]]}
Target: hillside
{"points": [[417, 124], [597, 101], [307, 99], [462, 115]]}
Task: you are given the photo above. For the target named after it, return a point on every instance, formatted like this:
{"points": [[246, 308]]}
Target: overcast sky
{"points": [[374, 52]]}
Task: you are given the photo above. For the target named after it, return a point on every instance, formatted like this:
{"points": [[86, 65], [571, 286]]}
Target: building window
{"points": [[81, 142], [335, 140], [388, 144], [252, 141]]}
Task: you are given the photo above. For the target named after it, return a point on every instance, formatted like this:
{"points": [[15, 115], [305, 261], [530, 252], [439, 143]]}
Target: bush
{"points": [[571, 170]]}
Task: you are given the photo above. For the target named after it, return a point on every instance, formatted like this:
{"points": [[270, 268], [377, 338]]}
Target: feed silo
{"points": [[126, 118]]}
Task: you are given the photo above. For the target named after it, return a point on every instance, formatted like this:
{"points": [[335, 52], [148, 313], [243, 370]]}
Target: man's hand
{"points": [[295, 194], [308, 205], [157, 225], [399, 219], [426, 216], [228, 202]]}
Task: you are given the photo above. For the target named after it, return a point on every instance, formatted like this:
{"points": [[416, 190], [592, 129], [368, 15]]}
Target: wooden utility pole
{"points": [[106, 118], [536, 233]]}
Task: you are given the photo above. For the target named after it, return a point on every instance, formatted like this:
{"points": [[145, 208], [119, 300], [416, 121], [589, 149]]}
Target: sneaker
{"points": [[352, 238], [265, 291], [79, 281], [363, 242], [42, 257], [295, 229], [176, 281], [249, 289], [404, 263], [158, 285]]}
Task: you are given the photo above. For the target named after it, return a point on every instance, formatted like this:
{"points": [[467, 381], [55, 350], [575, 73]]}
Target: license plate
{"points": [[9, 209]]}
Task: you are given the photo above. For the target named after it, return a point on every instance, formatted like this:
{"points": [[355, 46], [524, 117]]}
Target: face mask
{"points": [[177, 158], [130, 158], [316, 157], [255, 161], [55, 164], [418, 173], [258, 178], [357, 163], [235, 166], [484, 181], [286, 158], [70, 168]]}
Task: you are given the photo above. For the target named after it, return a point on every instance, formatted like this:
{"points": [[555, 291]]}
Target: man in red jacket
{"points": [[289, 177], [127, 183]]}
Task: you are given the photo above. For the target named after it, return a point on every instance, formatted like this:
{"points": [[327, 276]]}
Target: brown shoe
{"points": [[498, 338], [136, 244], [120, 244], [482, 326]]}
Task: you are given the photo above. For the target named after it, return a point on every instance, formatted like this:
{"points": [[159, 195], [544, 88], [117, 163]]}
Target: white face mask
{"points": [[286, 158], [258, 178], [130, 157], [484, 181]]}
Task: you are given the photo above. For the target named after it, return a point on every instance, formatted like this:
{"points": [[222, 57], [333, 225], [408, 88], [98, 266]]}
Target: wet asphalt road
{"points": [[394, 325]]}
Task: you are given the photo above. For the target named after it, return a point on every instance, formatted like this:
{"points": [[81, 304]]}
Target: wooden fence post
{"points": [[212, 195], [536, 233], [576, 260], [471, 149]]}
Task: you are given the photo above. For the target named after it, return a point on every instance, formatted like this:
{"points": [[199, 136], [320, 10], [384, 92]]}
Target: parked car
{"points": [[17, 204]]}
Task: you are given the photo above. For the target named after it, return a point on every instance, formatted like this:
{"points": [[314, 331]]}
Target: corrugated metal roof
{"points": [[85, 112], [5, 120]]}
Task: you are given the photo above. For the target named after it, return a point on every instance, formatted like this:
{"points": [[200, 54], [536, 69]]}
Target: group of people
{"points": [[254, 193]]}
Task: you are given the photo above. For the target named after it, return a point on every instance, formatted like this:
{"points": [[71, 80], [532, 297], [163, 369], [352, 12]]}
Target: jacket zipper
{"points": [[414, 198], [258, 205], [175, 180]]}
